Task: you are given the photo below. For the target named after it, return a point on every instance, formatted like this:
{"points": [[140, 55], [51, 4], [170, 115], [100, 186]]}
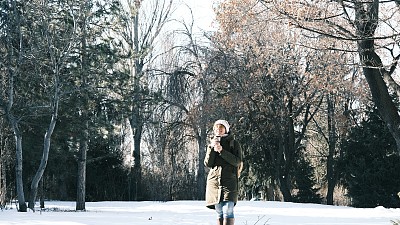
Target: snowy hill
{"points": [[195, 213]]}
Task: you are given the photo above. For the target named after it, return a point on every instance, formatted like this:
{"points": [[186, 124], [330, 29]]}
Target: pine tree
{"points": [[305, 183], [370, 164]]}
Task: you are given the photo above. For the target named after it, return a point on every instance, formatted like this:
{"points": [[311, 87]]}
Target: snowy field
{"points": [[194, 213]]}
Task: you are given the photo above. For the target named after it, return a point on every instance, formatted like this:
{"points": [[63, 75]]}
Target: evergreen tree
{"points": [[305, 183], [370, 164]]}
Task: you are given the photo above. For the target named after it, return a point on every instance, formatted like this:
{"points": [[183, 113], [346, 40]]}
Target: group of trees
{"points": [[100, 101]]}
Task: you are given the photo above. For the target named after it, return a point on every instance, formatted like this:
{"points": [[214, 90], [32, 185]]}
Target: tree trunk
{"points": [[137, 166], [379, 91], [81, 179], [12, 69], [18, 173], [330, 173], [45, 155], [285, 188], [3, 184], [41, 194], [136, 120], [3, 180], [366, 23], [22, 207], [62, 183], [287, 142], [201, 179], [282, 170], [270, 190]]}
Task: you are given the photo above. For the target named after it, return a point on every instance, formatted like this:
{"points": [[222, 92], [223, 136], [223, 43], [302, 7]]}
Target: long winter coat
{"points": [[222, 179]]}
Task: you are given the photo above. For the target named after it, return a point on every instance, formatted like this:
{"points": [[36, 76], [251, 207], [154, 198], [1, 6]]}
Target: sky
{"points": [[195, 213], [202, 12]]}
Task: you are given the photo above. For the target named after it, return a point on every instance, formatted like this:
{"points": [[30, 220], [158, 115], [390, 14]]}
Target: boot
{"points": [[229, 221], [220, 221]]}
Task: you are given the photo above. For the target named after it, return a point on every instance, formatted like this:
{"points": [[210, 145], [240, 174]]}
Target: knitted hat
{"points": [[224, 123]]}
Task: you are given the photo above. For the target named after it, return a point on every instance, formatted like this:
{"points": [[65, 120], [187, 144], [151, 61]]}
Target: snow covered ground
{"points": [[194, 212]]}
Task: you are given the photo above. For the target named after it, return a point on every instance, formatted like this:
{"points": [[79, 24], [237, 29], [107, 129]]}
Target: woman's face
{"points": [[219, 130]]}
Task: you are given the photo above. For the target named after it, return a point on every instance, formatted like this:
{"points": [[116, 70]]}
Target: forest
{"points": [[115, 100]]}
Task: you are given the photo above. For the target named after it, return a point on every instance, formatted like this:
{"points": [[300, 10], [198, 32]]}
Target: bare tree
{"points": [[194, 97], [357, 22], [284, 81], [140, 26], [12, 62], [58, 52]]}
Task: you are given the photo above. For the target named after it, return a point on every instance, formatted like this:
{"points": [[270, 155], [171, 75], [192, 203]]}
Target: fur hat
{"points": [[224, 123]]}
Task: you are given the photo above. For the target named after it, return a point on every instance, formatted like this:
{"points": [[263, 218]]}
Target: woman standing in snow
{"points": [[224, 158]]}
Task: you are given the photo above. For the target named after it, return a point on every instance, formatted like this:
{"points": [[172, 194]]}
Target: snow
{"points": [[194, 212]]}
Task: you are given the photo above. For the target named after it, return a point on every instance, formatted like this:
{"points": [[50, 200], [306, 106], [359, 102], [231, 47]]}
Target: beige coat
{"points": [[222, 180]]}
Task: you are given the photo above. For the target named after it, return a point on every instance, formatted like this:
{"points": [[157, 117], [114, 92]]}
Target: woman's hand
{"points": [[218, 147], [214, 142]]}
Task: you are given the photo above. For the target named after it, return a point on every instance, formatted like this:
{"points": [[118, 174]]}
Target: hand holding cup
{"points": [[215, 142]]}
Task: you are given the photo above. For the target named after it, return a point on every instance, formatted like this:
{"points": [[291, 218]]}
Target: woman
{"points": [[224, 157]]}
